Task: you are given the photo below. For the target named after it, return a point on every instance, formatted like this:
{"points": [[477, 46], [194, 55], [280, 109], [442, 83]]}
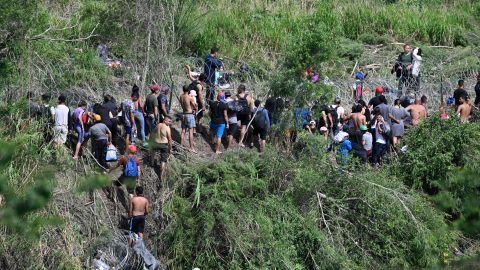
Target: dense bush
{"points": [[430, 160], [275, 211]]}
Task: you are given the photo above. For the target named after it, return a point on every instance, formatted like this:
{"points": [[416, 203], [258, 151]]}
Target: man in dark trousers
{"points": [[101, 137], [211, 65]]}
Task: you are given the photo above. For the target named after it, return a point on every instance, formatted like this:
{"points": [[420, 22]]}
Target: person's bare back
{"points": [[187, 102], [162, 134], [138, 206], [358, 120], [417, 112], [464, 111]]}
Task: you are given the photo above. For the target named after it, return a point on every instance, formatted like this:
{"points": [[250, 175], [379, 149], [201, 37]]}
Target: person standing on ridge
{"points": [[417, 61], [137, 210], [404, 69], [60, 116], [210, 67], [188, 119], [79, 127]]}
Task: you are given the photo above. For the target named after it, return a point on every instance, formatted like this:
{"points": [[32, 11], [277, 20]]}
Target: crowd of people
{"points": [[368, 132]]}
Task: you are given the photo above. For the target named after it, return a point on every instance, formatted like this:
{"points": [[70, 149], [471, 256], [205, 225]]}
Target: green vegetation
{"points": [[287, 209], [278, 211]]}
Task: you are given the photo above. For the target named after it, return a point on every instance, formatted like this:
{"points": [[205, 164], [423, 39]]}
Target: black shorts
{"points": [[232, 129], [260, 131], [163, 152], [137, 224], [200, 110], [244, 118]]}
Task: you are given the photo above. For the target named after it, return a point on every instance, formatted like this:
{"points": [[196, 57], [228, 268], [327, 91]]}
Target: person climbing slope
{"points": [[246, 101], [79, 127], [131, 170], [60, 116], [137, 210], [101, 137], [261, 124], [161, 141]]}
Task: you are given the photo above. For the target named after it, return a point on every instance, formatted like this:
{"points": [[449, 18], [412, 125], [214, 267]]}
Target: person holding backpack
{"points": [[246, 103], [131, 169], [261, 124], [78, 125]]}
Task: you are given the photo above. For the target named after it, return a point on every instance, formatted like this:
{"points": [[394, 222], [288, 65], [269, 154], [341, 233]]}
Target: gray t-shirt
{"points": [[99, 132], [368, 141]]}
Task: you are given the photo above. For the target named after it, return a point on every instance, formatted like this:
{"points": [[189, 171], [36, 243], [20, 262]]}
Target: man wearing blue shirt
{"points": [[211, 65]]}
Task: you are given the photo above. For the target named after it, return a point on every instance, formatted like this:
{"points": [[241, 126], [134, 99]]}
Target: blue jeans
{"points": [[141, 124]]}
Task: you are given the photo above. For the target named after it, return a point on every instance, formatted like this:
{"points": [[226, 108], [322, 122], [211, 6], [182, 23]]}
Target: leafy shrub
{"points": [[430, 159], [278, 211]]}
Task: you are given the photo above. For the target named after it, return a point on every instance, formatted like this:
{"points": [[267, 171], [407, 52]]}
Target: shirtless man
{"points": [[197, 85], [358, 117], [162, 141], [244, 117], [464, 109], [137, 210], [188, 119], [417, 112]]}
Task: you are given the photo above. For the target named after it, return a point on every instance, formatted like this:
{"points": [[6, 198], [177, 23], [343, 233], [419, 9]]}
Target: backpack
{"points": [[126, 110], [234, 106], [259, 120], [130, 169], [243, 102], [193, 86]]}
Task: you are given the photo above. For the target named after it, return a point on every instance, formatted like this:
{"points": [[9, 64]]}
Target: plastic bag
{"points": [[111, 153]]}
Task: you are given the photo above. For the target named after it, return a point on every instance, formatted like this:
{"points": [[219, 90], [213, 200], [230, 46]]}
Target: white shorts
{"points": [[60, 134]]}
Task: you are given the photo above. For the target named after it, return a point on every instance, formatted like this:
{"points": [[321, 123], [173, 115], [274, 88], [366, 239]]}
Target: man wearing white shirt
{"points": [[60, 115]]}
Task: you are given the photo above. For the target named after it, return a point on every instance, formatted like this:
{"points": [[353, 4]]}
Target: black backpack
{"points": [[243, 102], [234, 106], [193, 86]]}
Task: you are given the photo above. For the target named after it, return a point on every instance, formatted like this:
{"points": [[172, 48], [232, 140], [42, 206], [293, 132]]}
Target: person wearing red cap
{"points": [[131, 169], [375, 101], [151, 109]]}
